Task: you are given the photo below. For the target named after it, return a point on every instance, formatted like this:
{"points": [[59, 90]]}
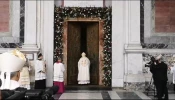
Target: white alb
{"points": [[39, 66], [83, 70], [58, 72]]}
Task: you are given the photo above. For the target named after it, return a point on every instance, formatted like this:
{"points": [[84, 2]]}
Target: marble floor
{"points": [[170, 93], [107, 95]]}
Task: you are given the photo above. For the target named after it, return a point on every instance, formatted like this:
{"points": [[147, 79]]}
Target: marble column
{"points": [[47, 36], [126, 67], [133, 61], [30, 34], [132, 17], [117, 43]]}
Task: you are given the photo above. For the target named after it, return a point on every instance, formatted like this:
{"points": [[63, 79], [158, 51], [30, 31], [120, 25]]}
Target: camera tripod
{"points": [[151, 87]]}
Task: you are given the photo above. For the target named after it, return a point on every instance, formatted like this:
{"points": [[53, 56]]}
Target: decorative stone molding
{"points": [[14, 22], [83, 3], [25, 50], [151, 51], [30, 36], [151, 39], [136, 86]]}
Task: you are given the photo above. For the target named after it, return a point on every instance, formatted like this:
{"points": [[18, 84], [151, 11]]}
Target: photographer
{"points": [[159, 70]]}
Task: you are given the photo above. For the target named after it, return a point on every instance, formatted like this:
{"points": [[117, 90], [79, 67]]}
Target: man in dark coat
{"points": [[159, 71]]}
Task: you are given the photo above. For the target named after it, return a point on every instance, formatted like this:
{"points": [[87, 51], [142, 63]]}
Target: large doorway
{"points": [[64, 16], [82, 37]]}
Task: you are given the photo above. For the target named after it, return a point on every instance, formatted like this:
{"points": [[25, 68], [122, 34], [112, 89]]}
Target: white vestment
{"points": [[83, 71], [25, 78], [39, 66], [10, 85], [173, 72], [58, 72], [14, 85]]}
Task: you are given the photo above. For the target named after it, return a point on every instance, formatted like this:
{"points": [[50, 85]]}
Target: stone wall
{"points": [[4, 16], [157, 30], [136, 86], [164, 16], [11, 23]]}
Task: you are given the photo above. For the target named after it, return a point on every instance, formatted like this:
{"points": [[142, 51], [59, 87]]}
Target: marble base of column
{"points": [[29, 46]]}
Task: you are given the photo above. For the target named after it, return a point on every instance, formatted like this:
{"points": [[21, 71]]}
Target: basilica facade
{"points": [[118, 36]]}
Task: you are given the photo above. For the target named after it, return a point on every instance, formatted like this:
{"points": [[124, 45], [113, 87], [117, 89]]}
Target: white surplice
{"points": [[39, 66], [173, 72], [58, 72], [14, 85], [24, 79], [83, 71]]}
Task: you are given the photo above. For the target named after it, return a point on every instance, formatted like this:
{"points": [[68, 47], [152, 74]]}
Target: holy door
{"points": [[73, 52], [93, 51], [82, 37]]}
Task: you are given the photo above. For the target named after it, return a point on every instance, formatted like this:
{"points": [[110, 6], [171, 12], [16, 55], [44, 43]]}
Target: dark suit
{"points": [[159, 72]]}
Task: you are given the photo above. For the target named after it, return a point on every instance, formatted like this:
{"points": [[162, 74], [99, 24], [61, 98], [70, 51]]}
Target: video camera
{"points": [[24, 94], [153, 61]]}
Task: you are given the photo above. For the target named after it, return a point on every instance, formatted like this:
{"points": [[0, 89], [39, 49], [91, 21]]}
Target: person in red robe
{"points": [[59, 75]]}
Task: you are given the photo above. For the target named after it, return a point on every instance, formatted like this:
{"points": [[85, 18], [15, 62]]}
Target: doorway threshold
{"points": [[87, 87]]}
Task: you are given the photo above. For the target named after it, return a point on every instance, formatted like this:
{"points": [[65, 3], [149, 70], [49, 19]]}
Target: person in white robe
{"points": [[59, 75], [10, 65], [25, 76], [83, 70], [40, 72], [172, 70]]}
